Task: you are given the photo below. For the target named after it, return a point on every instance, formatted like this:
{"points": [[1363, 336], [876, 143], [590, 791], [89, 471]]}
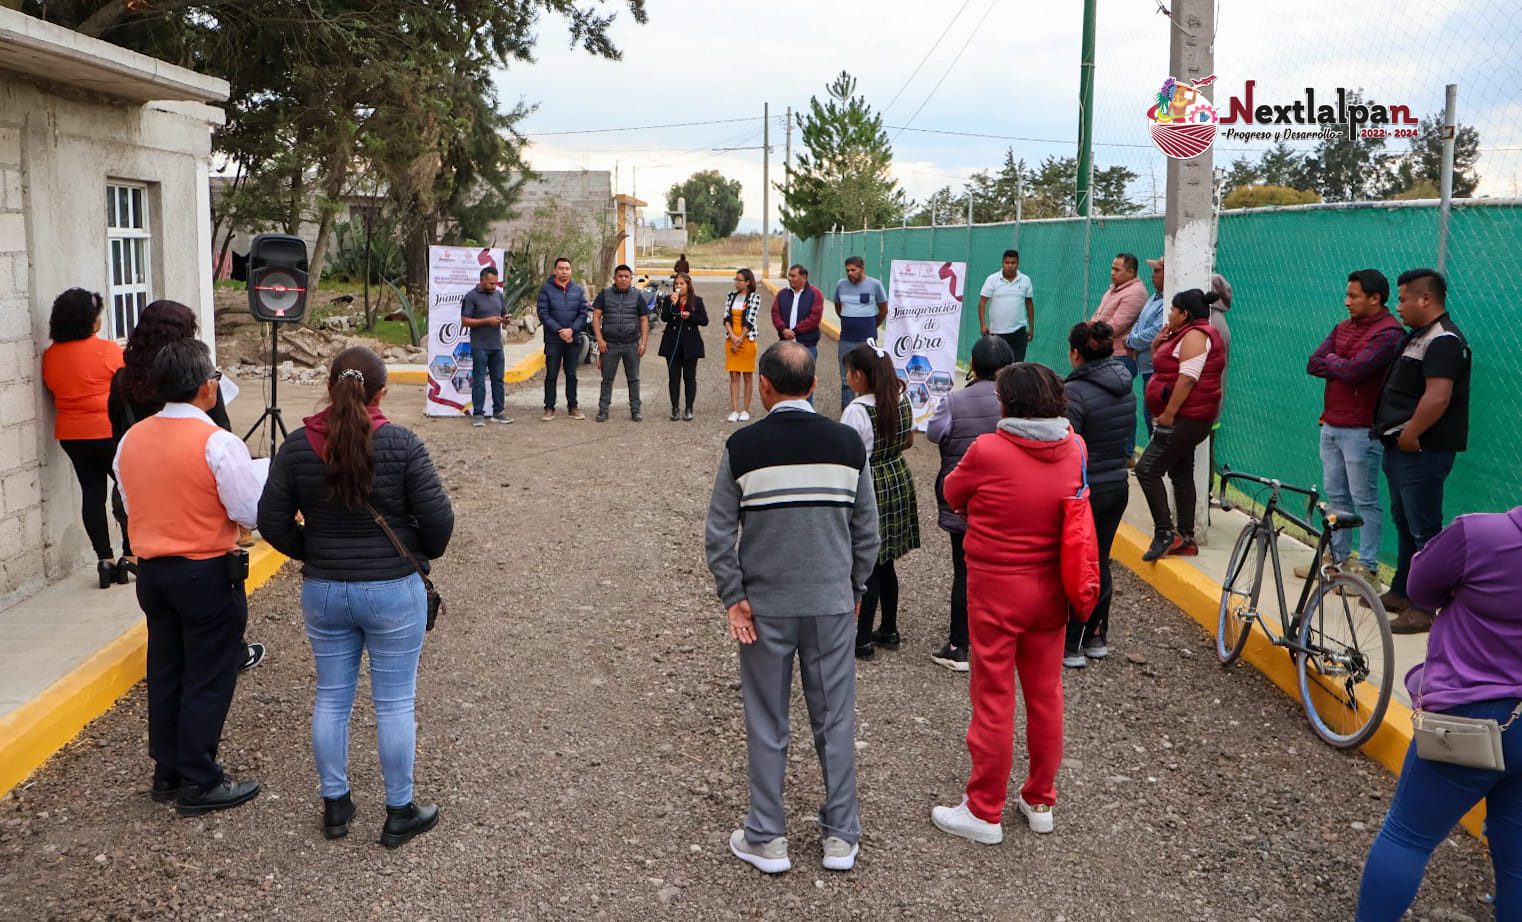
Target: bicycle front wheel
{"points": [[1239, 593], [1346, 661]]}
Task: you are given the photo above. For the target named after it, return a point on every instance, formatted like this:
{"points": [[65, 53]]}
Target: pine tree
{"points": [[712, 201], [843, 175]]}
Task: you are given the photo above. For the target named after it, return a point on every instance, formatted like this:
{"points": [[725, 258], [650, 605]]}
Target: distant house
{"points": [[83, 124]]}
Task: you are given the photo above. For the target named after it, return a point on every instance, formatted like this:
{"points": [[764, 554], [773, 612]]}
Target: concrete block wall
{"points": [[22, 567]]}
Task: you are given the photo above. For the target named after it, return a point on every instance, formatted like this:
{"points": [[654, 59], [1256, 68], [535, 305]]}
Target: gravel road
{"points": [[580, 725]]}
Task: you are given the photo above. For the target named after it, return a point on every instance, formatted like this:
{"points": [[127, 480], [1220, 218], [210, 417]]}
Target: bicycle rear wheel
{"points": [[1346, 664], [1239, 593]]}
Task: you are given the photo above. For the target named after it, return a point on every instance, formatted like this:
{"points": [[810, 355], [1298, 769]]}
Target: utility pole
{"points": [[787, 184], [1188, 221], [1445, 210], [766, 188], [1086, 113]]}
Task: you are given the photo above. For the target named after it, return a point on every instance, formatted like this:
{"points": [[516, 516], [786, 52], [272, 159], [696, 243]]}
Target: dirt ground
{"points": [[580, 725]]}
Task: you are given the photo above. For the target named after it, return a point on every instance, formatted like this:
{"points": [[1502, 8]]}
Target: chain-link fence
{"points": [[1287, 268]]}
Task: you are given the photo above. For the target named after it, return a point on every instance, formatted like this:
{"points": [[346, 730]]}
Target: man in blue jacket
{"points": [[563, 314]]}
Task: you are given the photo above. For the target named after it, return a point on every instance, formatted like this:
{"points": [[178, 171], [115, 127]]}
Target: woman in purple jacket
{"points": [[1471, 574], [962, 417]]}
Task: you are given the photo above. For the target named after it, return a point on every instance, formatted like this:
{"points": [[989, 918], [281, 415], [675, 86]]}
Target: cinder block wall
{"points": [[22, 568]]}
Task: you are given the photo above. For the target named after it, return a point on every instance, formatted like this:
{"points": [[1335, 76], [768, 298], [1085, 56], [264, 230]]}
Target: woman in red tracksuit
{"points": [[1011, 485]]}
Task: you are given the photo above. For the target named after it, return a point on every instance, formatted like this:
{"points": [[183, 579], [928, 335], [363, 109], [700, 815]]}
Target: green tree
{"points": [[1260, 196], [1423, 164], [324, 91], [1110, 196], [712, 200], [942, 207], [843, 176]]}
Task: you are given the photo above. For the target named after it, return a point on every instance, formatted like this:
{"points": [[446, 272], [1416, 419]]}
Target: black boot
{"points": [[402, 823], [106, 570], [336, 813], [1162, 540]]}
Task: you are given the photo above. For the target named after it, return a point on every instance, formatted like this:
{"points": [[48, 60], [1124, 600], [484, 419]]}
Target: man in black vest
{"points": [[621, 323]]}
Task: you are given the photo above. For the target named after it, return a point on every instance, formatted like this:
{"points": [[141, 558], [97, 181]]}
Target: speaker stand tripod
{"points": [[272, 410]]}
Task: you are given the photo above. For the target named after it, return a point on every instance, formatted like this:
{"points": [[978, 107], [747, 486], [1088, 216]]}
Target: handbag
{"points": [[436, 604], [1079, 547], [1473, 742]]}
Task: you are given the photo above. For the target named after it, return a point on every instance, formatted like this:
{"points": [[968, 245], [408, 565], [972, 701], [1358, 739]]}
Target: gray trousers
{"points": [[826, 650], [629, 354]]}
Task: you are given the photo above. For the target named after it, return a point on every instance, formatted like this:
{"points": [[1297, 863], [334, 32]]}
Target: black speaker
{"points": [[277, 278]]}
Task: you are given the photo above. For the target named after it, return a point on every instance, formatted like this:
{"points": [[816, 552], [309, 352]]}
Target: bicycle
{"points": [[1343, 651]]}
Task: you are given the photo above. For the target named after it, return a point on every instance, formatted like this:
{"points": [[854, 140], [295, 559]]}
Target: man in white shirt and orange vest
{"points": [[188, 484]]}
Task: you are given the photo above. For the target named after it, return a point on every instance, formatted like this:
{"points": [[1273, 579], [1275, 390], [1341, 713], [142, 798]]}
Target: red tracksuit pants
{"points": [[1017, 624]]}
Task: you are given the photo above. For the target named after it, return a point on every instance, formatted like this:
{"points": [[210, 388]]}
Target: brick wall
{"points": [[22, 567]]}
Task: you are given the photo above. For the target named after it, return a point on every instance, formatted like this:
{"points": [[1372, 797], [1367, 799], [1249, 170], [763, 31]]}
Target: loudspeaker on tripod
{"points": [[277, 278]]}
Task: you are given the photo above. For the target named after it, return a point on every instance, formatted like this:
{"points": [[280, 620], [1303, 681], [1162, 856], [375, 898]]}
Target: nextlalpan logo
{"points": [[1183, 120], [1184, 124]]}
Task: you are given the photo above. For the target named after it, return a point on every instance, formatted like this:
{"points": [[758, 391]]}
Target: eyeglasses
{"points": [[215, 376]]}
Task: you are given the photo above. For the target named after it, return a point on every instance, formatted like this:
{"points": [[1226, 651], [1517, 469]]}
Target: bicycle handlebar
{"points": [[1228, 475]]}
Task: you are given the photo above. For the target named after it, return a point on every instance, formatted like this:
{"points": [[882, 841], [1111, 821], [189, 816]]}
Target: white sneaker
{"points": [[1096, 648], [1039, 815], [839, 855], [1074, 659], [744, 416], [769, 857], [733, 417], [959, 821]]}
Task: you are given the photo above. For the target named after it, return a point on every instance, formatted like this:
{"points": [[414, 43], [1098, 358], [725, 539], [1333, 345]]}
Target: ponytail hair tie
{"points": [[881, 353], [354, 373]]}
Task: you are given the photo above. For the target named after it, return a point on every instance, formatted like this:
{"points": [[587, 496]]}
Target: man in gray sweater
{"points": [[791, 540]]}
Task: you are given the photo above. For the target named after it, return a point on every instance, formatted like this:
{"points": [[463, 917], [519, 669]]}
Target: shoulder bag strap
{"points": [[397, 543]]}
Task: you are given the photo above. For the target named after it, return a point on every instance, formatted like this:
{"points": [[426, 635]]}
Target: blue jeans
{"points": [[1430, 798], [486, 365], [343, 619], [1350, 462], [1416, 503], [556, 355], [1146, 413], [846, 394]]}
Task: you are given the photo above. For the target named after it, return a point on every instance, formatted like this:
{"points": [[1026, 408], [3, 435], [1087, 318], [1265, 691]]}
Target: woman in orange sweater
{"points": [[77, 369]]}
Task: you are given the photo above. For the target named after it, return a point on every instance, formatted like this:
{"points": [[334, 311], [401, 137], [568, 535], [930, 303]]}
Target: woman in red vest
{"points": [[1184, 397], [1011, 485]]}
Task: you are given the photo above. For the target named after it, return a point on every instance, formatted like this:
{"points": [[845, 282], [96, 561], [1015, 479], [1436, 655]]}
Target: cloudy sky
{"points": [[1002, 67]]}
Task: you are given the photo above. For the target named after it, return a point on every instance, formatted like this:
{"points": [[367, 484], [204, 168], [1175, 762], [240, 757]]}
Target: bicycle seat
{"points": [[1342, 522]]}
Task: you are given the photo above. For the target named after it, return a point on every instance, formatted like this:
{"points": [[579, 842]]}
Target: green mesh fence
{"points": [[1288, 270]]}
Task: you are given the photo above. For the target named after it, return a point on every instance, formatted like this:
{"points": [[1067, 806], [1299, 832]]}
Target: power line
{"points": [[717, 121], [926, 58], [970, 36]]}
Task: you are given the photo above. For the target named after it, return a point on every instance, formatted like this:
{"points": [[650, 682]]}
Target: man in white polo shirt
{"points": [[1007, 307]]}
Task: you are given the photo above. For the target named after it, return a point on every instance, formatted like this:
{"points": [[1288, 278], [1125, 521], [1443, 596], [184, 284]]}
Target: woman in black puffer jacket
{"points": [[1102, 409], [347, 465]]}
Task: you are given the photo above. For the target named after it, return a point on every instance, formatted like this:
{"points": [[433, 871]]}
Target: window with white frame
{"points": [[128, 239]]}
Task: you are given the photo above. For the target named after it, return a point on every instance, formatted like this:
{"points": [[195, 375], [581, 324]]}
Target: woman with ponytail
{"points": [[331, 481], [882, 415]]}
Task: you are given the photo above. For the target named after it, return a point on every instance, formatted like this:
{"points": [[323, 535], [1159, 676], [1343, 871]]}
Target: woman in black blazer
{"points": [[682, 342]]}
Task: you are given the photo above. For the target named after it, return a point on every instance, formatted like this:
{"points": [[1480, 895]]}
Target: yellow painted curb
{"points": [[825, 323], [32, 733], [525, 369], [1200, 597]]}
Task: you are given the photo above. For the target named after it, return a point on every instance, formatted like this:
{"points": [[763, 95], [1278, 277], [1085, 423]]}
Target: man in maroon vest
{"points": [[1354, 359]]}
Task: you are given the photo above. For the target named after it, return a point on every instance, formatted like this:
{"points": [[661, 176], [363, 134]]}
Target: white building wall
{"points": [[57, 153]]}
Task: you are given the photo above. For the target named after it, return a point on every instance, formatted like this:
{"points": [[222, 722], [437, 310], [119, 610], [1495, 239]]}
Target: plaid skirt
{"points": [[898, 514]]}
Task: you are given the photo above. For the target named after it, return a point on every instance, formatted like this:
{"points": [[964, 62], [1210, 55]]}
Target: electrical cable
{"points": [[970, 36], [926, 58]]}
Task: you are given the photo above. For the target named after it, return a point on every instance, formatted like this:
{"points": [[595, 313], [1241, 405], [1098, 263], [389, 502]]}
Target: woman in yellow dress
{"points": [[740, 352]]}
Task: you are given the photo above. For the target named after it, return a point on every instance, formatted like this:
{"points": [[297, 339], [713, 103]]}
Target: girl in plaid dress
{"points": [[881, 413]]}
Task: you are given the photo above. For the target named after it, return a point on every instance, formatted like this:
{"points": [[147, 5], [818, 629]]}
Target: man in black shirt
{"points": [[1423, 420]]}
